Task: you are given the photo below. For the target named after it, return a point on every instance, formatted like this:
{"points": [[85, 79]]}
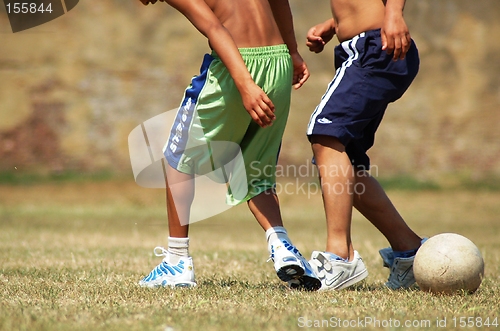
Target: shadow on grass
{"points": [[246, 285], [240, 284]]}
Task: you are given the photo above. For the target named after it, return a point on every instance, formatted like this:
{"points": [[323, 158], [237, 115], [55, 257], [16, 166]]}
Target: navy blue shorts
{"points": [[366, 81]]}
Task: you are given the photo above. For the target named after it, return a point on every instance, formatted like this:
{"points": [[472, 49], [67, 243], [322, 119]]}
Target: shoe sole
{"points": [[311, 284], [290, 272], [174, 285], [294, 275], [401, 287], [305, 283], [183, 285]]}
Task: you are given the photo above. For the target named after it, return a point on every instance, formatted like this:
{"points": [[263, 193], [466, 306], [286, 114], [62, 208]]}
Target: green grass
{"points": [[408, 183], [71, 254], [452, 182], [32, 177], [403, 182]]}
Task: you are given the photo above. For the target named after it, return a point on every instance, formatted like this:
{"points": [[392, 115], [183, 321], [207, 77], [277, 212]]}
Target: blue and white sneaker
{"points": [[308, 282], [401, 269], [335, 274], [167, 274], [292, 267], [401, 275]]}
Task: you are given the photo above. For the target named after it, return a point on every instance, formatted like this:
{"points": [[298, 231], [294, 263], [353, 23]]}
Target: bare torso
{"points": [[355, 16], [250, 22]]}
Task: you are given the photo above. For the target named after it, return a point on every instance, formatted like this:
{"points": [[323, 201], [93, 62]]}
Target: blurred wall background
{"points": [[72, 90]]}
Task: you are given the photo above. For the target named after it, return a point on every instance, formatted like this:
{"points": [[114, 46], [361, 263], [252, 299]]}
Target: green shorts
{"points": [[214, 135]]}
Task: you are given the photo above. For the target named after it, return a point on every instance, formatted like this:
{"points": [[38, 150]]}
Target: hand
{"points": [[315, 43], [396, 37], [319, 35], [258, 105], [147, 2], [300, 71]]}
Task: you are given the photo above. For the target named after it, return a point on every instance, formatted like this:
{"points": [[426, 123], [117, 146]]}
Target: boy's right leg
{"points": [[339, 266], [179, 197], [337, 182], [289, 263], [176, 268]]}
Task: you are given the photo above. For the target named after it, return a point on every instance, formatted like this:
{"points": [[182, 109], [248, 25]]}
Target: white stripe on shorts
{"points": [[349, 47]]}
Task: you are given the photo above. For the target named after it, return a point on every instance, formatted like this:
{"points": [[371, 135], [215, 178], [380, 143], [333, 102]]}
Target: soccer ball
{"points": [[448, 263]]}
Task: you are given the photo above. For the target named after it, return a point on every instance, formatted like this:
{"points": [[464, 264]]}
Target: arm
{"points": [[283, 17], [396, 37], [255, 101], [319, 35]]}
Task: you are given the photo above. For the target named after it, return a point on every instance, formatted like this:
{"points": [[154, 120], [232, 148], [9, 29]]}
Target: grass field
{"points": [[71, 254]]}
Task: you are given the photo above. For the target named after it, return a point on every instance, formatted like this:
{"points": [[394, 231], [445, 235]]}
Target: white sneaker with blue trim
{"points": [[292, 267], [167, 274]]}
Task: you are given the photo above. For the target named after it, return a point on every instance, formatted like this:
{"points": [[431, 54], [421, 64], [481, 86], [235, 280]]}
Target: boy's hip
{"points": [[364, 51], [260, 52]]}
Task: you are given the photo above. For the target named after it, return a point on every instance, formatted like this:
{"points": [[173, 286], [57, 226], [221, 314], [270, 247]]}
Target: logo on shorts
{"points": [[324, 120], [186, 110]]}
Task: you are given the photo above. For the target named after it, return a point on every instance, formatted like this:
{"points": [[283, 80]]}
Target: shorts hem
{"points": [[343, 137], [253, 193]]}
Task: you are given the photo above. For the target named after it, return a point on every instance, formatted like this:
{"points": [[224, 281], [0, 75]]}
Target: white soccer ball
{"points": [[448, 263]]}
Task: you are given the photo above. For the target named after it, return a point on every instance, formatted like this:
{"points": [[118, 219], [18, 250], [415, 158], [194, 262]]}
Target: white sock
{"points": [[177, 248], [274, 233]]}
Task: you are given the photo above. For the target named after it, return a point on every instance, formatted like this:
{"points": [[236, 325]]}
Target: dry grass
{"points": [[71, 254]]}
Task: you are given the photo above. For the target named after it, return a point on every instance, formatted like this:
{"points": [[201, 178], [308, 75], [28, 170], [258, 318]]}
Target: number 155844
{"points": [[28, 8]]}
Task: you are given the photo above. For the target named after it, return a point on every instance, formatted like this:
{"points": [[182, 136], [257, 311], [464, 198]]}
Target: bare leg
{"points": [[288, 262], [180, 195], [337, 181], [265, 207], [376, 206]]}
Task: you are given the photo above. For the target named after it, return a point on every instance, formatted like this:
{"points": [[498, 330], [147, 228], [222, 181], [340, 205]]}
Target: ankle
{"points": [[177, 248], [276, 233], [335, 257]]}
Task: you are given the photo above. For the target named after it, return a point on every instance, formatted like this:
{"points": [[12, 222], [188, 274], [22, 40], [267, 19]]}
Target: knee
{"points": [[321, 142]]}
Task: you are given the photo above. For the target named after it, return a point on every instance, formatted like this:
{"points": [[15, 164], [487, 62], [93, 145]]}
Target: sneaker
{"points": [[401, 275], [308, 282], [335, 274], [387, 257], [167, 274], [292, 267]]}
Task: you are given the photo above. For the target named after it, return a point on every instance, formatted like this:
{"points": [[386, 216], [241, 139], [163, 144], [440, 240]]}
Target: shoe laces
{"points": [[160, 251], [166, 267]]}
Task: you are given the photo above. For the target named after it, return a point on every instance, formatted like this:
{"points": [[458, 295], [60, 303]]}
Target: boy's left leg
{"points": [[176, 268], [337, 182], [376, 206], [289, 264]]}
